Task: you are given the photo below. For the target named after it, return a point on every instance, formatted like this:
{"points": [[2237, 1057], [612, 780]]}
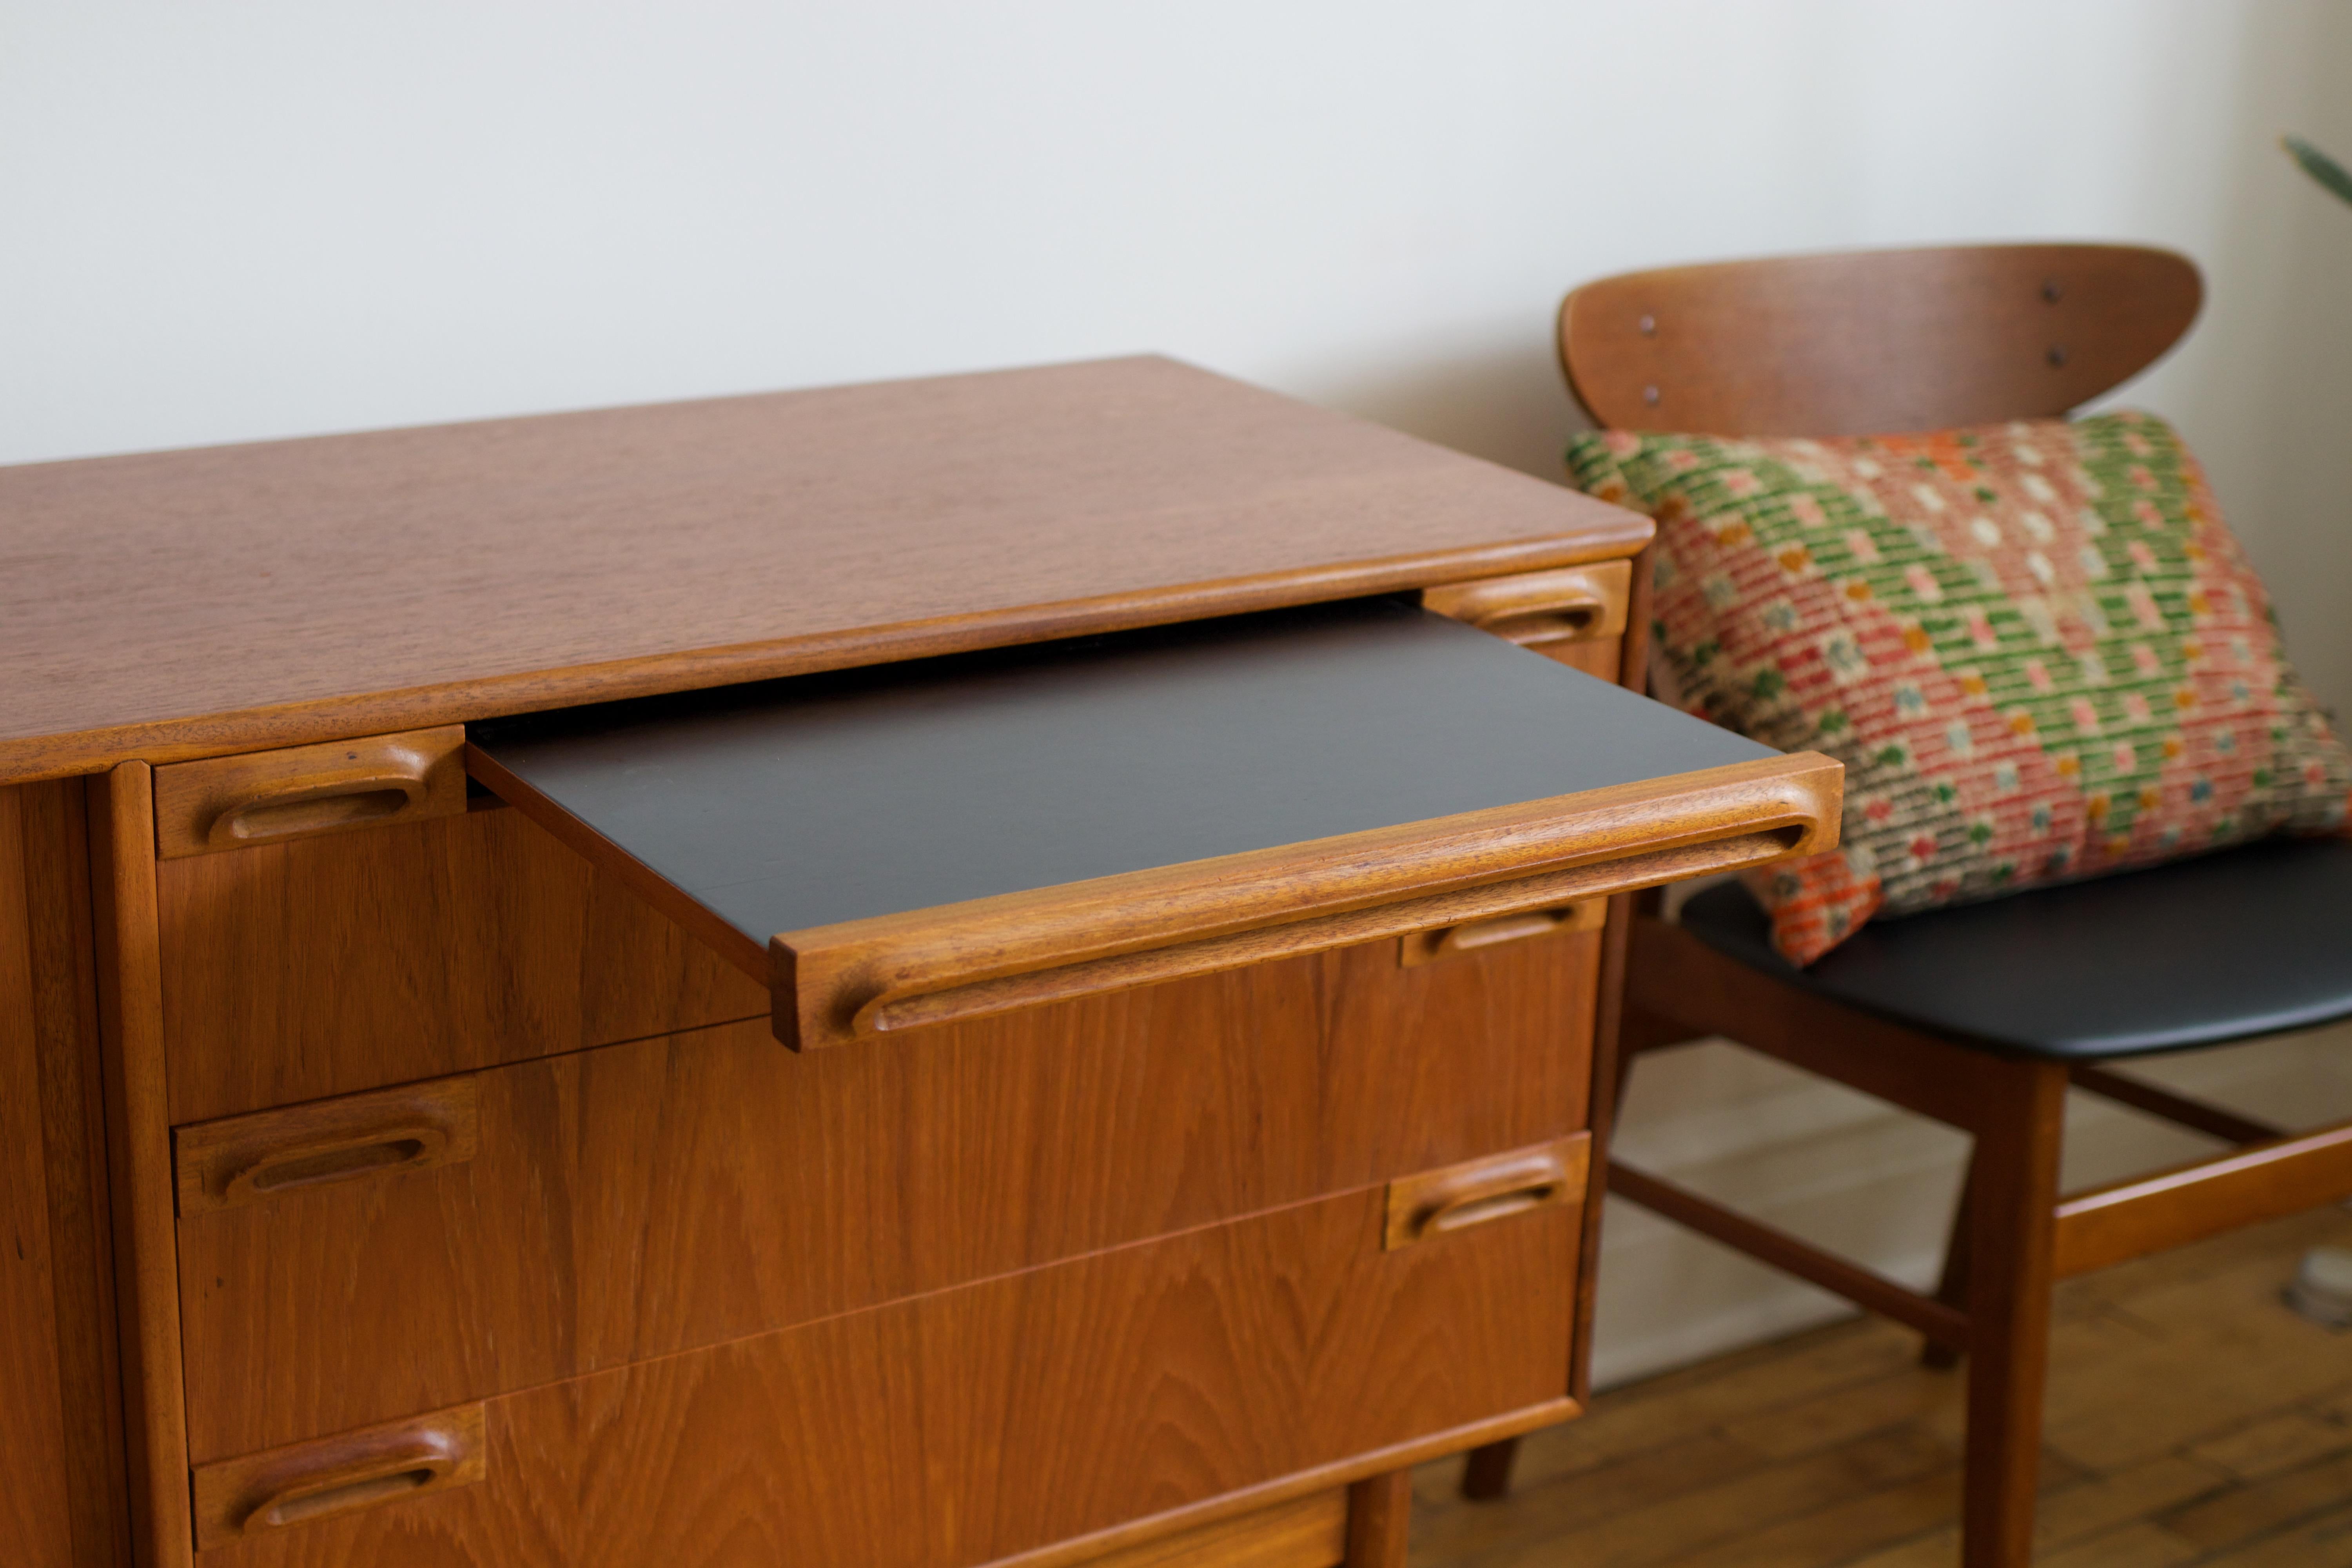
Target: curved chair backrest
{"points": [[1862, 342]]}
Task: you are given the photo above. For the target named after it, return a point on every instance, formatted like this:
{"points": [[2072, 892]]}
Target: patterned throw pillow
{"points": [[2035, 647]]}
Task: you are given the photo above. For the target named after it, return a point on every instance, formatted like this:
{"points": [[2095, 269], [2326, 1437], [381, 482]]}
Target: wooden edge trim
{"points": [[300, 792], [834, 985], [602, 852], [1455, 1198], [255, 1496], [1945, 1325], [1606, 1079], [1309, 1531], [1087, 1548], [2125, 1220], [62, 945], [139, 1159], [268, 1154], [1574, 604], [953, 1003], [28, 759]]}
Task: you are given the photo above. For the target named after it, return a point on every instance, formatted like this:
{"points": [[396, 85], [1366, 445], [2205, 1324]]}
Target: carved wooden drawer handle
{"points": [[1477, 1192], [836, 985], [332, 1159], [229, 803], [336, 800], [1535, 609], [378, 1481], [246, 1159], [1428, 947], [240, 1499]]}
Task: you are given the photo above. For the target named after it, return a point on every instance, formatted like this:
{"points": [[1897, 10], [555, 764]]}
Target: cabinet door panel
{"points": [[61, 1440], [34, 1508], [968, 1426], [651, 1197]]}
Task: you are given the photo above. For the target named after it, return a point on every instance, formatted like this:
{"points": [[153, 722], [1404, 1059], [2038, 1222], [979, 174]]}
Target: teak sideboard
{"points": [[1006, 969]]}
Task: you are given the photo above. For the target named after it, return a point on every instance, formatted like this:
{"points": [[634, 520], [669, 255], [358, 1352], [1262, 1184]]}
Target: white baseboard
{"points": [[1856, 1175]]}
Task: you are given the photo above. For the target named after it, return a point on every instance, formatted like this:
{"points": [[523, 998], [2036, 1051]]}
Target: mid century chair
{"points": [[2199, 952]]}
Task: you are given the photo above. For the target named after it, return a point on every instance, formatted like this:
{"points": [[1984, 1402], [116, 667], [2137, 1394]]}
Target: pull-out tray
{"points": [[921, 842]]}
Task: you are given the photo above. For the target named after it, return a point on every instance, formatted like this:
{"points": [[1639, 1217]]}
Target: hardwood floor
{"points": [[2192, 1419]]}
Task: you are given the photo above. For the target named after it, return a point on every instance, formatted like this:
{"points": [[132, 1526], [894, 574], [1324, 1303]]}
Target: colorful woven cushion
{"points": [[2035, 647]]}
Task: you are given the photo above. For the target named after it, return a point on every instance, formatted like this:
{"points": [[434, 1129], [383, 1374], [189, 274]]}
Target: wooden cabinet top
{"points": [[187, 604]]}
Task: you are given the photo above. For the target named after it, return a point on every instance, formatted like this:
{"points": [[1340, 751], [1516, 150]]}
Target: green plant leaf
{"points": [[2319, 165]]}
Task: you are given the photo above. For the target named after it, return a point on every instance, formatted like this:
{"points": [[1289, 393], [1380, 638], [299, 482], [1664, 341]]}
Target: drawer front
{"points": [[377, 955], [1601, 657], [410, 1249], [975, 1424]]}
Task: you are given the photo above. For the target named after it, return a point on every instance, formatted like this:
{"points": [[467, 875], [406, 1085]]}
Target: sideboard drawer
{"points": [[976, 1424], [383, 953], [892, 850], [356, 1259], [880, 852]]}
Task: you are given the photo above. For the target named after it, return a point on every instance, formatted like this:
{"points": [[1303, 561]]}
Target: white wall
{"points": [[262, 217], [246, 219]]}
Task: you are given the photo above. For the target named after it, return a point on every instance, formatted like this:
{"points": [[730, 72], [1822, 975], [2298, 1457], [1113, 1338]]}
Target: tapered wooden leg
{"points": [[2012, 1223], [1486, 1472], [1953, 1291], [1380, 1511]]}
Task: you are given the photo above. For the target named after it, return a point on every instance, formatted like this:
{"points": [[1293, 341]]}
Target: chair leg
{"points": [[1486, 1477], [2013, 1227], [1953, 1290]]}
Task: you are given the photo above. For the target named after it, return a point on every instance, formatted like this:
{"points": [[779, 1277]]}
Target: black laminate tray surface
{"points": [[799, 803]]}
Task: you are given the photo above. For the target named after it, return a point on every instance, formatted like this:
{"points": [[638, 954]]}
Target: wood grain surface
{"points": [[327, 965], [976, 1424], [121, 818], [304, 590], [652, 1197], [1311, 1532], [36, 1508], [60, 992], [1862, 342], [1631, 671]]}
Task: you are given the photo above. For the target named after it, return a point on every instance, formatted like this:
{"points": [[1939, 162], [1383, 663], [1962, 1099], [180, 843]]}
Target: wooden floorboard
{"points": [[2193, 1422]]}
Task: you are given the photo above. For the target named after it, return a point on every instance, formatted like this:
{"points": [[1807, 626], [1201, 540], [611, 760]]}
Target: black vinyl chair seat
{"points": [[2198, 952]]}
